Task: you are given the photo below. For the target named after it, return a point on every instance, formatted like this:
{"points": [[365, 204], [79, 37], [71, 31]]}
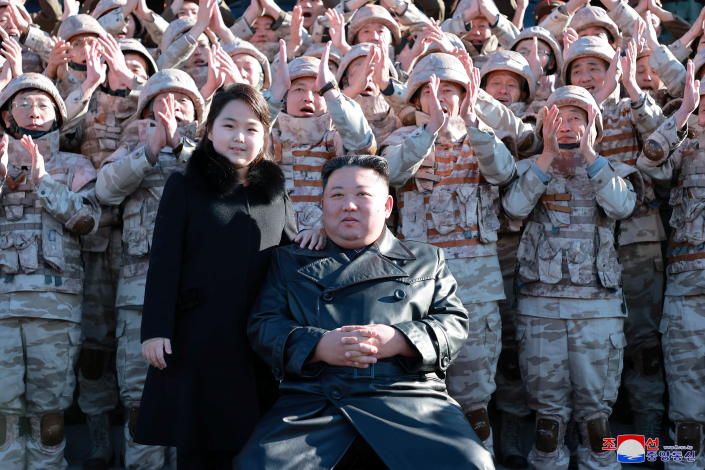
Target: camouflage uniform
{"points": [[302, 145], [111, 17], [503, 34], [40, 298], [570, 318], [130, 180], [447, 196], [683, 322], [626, 124]]}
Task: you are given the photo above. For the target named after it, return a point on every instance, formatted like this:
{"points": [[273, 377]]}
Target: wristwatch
{"points": [[328, 86]]}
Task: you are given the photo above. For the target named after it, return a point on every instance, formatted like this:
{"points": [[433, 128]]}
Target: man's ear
{"points": [[6, 118], [388, 206]]}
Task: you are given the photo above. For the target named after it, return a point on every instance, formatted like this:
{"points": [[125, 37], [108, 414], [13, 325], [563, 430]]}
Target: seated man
{"points": [[360, 336]]}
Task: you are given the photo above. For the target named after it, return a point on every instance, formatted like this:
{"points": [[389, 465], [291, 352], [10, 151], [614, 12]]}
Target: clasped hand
{"points": [[360, 345]]}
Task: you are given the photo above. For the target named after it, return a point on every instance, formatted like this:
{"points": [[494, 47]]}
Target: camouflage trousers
{"points": [[643, 285], [683, 328], [510, 396], [132, 372], [37, 380], [97, 384], [572, 370], [470, 378]]}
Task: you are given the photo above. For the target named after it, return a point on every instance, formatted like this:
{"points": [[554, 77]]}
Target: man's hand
{"points": [[96, 71], [312, 238], [534, 60], [12, 52], [380, 76], [551, 124], [357, 86], [167, 117], [215, 78], [467, 107], [121, 76], [19, 16], [324, 74], [629, 71], [4, 156], [569, 37], [337, 31], [71, 8], [388, 341], [38, 172], [612, 77], [342, 348], [438, 118], [153, 351], [587, 141], [691, 97], [254, 10], [59, 55], [281, 82], [295, 29], [154, 140]]}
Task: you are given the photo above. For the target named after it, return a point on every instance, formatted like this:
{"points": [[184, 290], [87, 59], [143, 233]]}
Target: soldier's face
{"points": [[137, 65], [356, 71], [250, 69], [646, 78], [237, 134], [373, 33], [505, 87], [33, 110], [79, 47], [573, 126], [356, 203], [199, 57], [596, 31], [188, 10], [589, 73], [7, 24], [184, 110], [524, 48], [450, 97], [302, 99], [310, 10], [262, 27], [127, 31], [479, 33]]}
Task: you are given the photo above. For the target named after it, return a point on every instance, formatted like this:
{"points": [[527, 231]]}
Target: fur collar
{"points": [[219, 177]]}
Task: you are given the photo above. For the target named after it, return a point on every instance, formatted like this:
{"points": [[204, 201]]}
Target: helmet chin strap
{"points": [[18, 131], [574, 145]]}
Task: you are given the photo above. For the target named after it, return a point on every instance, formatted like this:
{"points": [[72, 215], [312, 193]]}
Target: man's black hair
{"points": [[373, 162]]}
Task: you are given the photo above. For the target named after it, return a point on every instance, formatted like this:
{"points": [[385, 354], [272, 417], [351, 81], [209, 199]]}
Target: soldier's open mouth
{"points": [[307, 109], [306, 14]]}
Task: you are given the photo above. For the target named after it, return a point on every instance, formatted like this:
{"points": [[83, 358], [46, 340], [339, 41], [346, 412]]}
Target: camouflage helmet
{"points": [[79, 24], [363, 49], [434, 47], [246, 47], [34, 81], [373, 14], [571, 95], [177, 28], [594, 16], [106, 6], [510, 61], [542, 34], [699, 63], [170, 80], [444, 66], [701, 91], [588, 46], [303, 66], [136, 47], [316, 50]]}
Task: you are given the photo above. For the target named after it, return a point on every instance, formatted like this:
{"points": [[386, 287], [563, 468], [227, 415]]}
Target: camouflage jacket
{"points": [[128, 179], [681, 163], [40, 224], [567, 248]]}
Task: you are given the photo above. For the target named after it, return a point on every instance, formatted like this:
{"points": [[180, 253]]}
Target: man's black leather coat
{"points": [[400, 405]]}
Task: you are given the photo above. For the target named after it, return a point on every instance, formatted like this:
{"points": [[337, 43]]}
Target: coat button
{"points": [[445, 362], [399, 294], [335, 394], [327, 297]]}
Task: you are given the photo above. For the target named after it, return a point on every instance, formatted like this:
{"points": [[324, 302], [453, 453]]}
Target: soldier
{"points": [[672, 160], [318, 123], [570, 311], [445, 170], [627, 122], [157, 143], [47, 201]]}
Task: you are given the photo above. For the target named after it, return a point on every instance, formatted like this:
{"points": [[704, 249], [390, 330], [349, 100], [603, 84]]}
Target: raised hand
{"points": [[587, 141], [96, 70], [297, 24], [691, 96], [324, 74], [215, 78], [167, 117], [380, 75], [281, 82], [253, 11], [19, 16], [650, 31], [38, 171], [612, 77], [569, 37], [337, 31], [357, 86], [467, 107], [59, 55], [551, 124], [465, 59], [438, 117], [154, 140], [71, 8], [228, 66], [203, 18], [117, 68], [534, 59], [4, 156], [12, 52], [629, 71]]}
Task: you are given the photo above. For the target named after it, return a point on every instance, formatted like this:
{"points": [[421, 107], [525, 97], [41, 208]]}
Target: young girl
{"points": [[216, 227]]}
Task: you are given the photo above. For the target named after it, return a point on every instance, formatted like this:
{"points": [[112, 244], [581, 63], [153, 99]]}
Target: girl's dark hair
{"points": [[252, 98]]}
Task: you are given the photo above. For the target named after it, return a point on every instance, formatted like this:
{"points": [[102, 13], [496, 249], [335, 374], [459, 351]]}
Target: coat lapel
{"points": [[334, 270]]}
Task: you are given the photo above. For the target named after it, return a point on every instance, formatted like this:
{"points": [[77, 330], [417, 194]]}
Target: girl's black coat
{"points": [[212, 243]]}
